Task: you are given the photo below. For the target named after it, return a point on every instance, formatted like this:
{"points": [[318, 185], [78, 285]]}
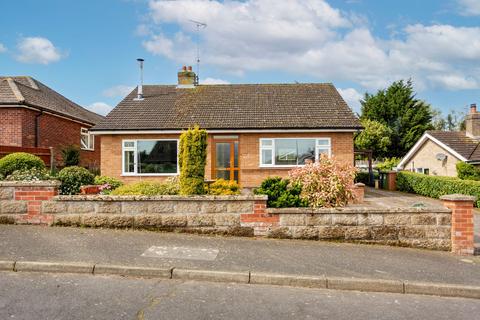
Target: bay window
{"points": [[150, 157], [285, 152]]}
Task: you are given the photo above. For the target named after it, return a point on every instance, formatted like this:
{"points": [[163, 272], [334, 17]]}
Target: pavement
{"points": [[77, 296], [184, 251]]}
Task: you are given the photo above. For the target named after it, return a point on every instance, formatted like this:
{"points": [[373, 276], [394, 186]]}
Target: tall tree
{"points": [[399, 109]]}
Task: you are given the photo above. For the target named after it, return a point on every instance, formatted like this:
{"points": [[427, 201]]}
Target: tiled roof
{"points": [[236, 106], [460, 142], [30, 92]]}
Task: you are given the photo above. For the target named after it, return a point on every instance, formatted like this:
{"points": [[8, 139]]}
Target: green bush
{"points": [[72, 178], [32, 174], [108, 183], [71, 155], [467, 171], [281, 194], [192, 158], [388, 164], [149, 188], [223, 187], [435, 186], [19, 161]]}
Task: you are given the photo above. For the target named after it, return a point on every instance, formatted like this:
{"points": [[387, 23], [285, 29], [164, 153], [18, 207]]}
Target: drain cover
{"points": [[188, 253]]}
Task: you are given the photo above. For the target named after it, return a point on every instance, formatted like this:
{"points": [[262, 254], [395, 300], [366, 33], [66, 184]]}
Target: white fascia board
{"points": [[101, 132], [421, 141]]}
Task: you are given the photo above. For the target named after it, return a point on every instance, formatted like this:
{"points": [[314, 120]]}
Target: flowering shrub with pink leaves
{"points": [[325, 183]]}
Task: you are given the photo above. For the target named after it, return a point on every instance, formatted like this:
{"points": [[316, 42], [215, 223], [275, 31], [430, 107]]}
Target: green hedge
{"points": [[192, 158], [435, 187]]}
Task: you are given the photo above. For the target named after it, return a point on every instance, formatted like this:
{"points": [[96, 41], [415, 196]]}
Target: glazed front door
{"points": [[225, 159]]}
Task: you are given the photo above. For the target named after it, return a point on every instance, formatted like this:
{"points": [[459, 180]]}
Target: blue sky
{"points": [[86, 50]]}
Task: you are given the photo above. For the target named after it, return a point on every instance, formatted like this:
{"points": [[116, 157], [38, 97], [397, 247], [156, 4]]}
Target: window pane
{"points": [[84, 141], [285, 152], [266, 143], [129, 161], [235, 154], [266, 156], [157, 156], [323, 142], [322, 151], [129, 144], [223, 174], [222, 154], [306, 150]]}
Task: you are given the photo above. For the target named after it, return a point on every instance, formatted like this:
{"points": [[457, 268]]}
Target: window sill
{"points": [[149, 174], [280, 167], [84, 149]]}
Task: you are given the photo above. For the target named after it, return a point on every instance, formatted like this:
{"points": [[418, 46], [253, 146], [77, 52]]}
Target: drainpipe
{"points": [[37, 129]]}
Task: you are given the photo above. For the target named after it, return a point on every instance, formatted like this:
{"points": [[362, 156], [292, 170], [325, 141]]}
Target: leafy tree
{"points": [[397, 108], [376, 137], [454, 121]]}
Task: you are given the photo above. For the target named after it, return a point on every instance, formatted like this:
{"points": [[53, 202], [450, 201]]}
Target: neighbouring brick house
{"points": [[255, 130], [33, 115], [437, 152]]}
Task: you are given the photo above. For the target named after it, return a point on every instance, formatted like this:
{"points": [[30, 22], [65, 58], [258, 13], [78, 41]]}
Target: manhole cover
{"points": [[188, 253]]}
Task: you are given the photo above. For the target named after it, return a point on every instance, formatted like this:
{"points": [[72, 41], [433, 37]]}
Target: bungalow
{"points": [[255, 130], [34, 115], [437, 152]]}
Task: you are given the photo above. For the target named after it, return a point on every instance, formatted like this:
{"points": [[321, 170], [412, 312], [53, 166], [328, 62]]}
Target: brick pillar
{"points": [[358, 193], [391, 180], [462, 222], [260, 220]]}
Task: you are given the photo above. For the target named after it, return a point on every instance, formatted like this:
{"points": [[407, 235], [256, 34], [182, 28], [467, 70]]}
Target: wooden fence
{"points": [[46, 154]]}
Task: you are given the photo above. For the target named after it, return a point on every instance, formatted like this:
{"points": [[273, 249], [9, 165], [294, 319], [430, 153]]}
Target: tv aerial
{"points": [[199, 25]]}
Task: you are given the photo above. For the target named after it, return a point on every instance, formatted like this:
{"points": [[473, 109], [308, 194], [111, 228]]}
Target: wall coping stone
{"points": [[41, 183], [458, 197], [160, 198], [357, 210]]}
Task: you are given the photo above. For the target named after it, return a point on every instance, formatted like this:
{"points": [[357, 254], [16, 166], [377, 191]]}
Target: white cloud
{"points": [[352, 97], [118, 91], [2, 48], [309, 37], [100, 108], [469, 7], [37, 50], [213, 81]]}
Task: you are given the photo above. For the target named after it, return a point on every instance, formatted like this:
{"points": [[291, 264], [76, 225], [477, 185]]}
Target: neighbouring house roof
{"points": [[26, 91], [455, 142], [235, 106]]}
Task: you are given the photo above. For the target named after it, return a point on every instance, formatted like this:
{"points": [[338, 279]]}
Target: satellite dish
{"points": [[441, 156]]}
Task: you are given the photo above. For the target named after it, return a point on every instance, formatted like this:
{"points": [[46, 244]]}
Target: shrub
{"points": [[363, 177], [326, 183], [32, 174], [281, 193], [223, 187], [19, 161], [72, 178], [435, 187], [467, 171], [108, 184], [192, 158], [71, 155], [149, 188]]}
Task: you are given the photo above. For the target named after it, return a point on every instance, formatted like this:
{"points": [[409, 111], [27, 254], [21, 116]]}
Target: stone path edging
{"points": [[251, 277]]}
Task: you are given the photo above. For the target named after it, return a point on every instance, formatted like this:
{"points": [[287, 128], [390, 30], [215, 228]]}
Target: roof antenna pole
{"points": [[140, 86], [199, 25]]}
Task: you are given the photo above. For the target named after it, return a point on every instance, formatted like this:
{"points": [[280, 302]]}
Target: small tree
{"points": [[192, 158], [375, 137]]}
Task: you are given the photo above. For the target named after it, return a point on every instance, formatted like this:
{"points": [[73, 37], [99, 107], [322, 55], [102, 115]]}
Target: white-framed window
{"points": [[150, 157], [87, 140], [288, 152], [423, 170]]}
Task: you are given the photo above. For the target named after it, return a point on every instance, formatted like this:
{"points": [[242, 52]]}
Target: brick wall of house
{"points": [[250, 174], [17, 128], [11, 126]]}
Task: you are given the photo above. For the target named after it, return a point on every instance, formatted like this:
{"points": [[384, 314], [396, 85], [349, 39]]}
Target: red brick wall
{"points": [[17, 128]]}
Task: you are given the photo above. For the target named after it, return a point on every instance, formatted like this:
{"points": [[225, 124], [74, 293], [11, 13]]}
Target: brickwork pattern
{"points": [[462, 231]]}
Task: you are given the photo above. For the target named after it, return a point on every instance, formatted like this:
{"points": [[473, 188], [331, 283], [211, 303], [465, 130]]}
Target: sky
{"points": [[87, 50]]}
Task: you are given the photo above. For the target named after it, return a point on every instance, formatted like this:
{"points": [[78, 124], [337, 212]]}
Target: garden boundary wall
{"points": [[444, 228]]}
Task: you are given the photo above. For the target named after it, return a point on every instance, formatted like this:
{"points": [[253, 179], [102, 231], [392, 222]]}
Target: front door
{"points": [[225, 158]]}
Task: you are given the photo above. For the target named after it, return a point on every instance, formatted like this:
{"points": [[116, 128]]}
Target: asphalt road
{"points": [[68, 296]]}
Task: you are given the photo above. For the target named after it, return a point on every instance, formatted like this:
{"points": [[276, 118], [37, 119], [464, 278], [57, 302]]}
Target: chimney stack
{"points": [[140, 86], [186, 78], [472, 122]]}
